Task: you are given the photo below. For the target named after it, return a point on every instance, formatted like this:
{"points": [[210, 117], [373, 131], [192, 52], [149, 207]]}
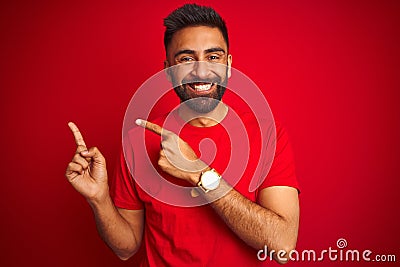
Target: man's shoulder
{"points": [[251, 121]]}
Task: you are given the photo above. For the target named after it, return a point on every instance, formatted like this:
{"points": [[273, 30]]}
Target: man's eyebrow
{"points": [[214, 49], [184, 51], [192, 52]]}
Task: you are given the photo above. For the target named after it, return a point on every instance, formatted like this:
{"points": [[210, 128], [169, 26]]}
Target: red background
{"points": [[329, 69]]}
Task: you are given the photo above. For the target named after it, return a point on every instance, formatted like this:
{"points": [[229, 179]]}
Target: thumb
{"points": [[95, 154]]}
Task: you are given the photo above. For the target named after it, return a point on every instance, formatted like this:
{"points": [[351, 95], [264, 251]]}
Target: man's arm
{"points": [[273, 223], [121, 229]]}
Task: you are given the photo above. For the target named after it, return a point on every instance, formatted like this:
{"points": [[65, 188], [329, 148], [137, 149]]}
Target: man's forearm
{"points": [[114, 229], [254, 224]]}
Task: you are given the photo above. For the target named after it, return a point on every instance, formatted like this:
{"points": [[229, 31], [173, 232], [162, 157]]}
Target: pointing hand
{"points": [[176, 158], [87, 170]]}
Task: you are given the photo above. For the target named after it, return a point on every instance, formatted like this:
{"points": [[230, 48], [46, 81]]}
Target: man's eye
{"points": [[186, 59], [213, 57]]}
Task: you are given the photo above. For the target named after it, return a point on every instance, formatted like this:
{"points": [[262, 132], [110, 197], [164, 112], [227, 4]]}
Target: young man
{"points": [[236, 223]]}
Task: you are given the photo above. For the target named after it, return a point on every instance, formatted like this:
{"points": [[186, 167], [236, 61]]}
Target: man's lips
{"points": [[201, 88]]}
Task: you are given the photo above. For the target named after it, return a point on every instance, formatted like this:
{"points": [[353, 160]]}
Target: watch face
{"points": [[210, 180]]}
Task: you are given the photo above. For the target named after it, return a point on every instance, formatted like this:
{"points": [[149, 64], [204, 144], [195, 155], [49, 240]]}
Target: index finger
{"points": [[77, 134], [155, 128]]}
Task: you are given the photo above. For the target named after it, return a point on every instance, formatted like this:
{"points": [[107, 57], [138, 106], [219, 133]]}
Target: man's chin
{"points": [[202, 105]]}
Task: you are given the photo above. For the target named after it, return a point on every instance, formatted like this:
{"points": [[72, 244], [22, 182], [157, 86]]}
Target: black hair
{"points": [[193, 15]]}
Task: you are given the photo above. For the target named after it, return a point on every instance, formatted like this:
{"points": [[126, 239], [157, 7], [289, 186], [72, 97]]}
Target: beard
{"points": [[200, 103]]}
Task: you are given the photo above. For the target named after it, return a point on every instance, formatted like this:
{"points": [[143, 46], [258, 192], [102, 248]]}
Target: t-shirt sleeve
{"points": [[123, 187], [282, 171]]}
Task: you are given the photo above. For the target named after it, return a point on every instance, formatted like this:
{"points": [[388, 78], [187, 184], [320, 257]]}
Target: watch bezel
{"points": [[205, 180]]}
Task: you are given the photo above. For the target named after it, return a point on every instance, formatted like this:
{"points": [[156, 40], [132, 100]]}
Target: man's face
{"points": [[200, 61]]}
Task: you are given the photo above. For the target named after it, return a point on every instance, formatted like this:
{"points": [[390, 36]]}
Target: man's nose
{"points": [[201, 69]]}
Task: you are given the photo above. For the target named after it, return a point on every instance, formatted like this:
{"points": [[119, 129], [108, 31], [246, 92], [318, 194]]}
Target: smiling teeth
{"points": [[202, 87]]}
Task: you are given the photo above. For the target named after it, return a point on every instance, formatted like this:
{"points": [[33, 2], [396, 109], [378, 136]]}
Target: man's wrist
{"points": [[212, 186], [194, 177], [100, 200]]}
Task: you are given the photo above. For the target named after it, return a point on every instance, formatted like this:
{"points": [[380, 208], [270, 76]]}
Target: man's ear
{"points": [[229, 65], [167, 70]]}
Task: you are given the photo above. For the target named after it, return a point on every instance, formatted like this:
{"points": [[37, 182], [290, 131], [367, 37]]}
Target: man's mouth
{"points": [[201, 87]]}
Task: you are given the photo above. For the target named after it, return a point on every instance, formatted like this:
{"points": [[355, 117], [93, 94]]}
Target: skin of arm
{"points": [[272, 223], [121, 229]]}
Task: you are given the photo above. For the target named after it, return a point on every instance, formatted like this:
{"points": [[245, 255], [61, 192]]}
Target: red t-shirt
{"points": [[180, 236]]}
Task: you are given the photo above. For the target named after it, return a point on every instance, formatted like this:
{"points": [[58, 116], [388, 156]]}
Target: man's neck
{"points": [[203, 119]]}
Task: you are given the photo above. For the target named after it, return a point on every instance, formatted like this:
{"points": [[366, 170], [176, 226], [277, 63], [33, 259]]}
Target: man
{"points": [[236, 223]]}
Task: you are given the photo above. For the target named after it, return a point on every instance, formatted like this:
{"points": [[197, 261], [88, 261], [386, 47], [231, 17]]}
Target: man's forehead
{"points": [[197, 38]]}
